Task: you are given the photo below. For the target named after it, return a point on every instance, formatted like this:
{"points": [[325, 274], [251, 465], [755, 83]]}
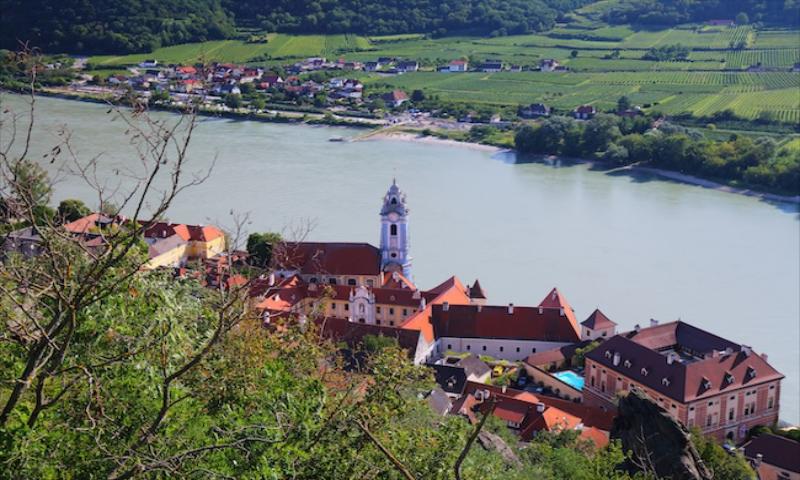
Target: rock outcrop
{"points": [[657, 442]]}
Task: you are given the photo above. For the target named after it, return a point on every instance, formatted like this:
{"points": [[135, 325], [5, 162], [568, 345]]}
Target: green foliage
{"points": [[31, 185], [259, 247], [723, 464], [70, 210], [672, 12], [233, 100], [376, 343], [579, 358], [673, 147], [667, 53]]}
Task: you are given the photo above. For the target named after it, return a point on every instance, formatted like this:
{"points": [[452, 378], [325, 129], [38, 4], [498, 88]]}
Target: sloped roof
{"points": [[331, 258], [164, 230], [165, 245], [524, 323], [781, 452], [598, 320], [476, 291], [451, 378], [451, 291], [556, 299], [700, 356], [341, 329]]}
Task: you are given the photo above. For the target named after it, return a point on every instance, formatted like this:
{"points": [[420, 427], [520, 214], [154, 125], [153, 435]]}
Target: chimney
{"points": [[759, 459], [272, 280], [510, 308], [422, 303], [504, 389], [540, 407], [670, 358], [653, 322], [636, 328], [764, 356], [714, 353], [746, 350], [480, 307], [541, 310], [446, 307], [561, 311], [728, 350], [616, 358]]}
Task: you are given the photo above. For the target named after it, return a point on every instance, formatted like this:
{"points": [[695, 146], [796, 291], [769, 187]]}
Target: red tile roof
{"points": [[555, 299], [329, 258], [451, 291], [699, 356], [476, 291], [340, 329], [597, 320], [92, 221], [524, 323]]}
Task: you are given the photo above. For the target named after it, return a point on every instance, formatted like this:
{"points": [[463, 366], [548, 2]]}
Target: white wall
{"points": [[493, 346]]}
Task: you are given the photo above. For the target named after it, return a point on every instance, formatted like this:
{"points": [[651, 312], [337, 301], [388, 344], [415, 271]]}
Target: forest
{"points": [[673, 12], [95, 26]]}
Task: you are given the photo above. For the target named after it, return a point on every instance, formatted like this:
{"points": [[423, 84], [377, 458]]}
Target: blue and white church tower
{"points": [[394, 232]]}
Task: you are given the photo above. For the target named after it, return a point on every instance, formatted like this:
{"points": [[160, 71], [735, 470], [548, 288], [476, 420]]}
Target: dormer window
{"points": [[729, 378], [628, 364], [665, 381], [608, 354], [394, 201], [644, 372], [751, 372], [706, 383]]}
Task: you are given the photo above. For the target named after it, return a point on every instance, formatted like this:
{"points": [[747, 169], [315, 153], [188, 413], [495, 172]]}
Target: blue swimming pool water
{"points": [[570, 378]]}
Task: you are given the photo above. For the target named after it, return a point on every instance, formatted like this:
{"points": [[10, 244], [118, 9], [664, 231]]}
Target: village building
{"points": [[372, 66], [702, 380], [504, 332], [453, 373], [174, 245], [458, 66], [535, 110], [548, 65], [598, 325], [406, 66], [584, 112], [491, 66], [395, 98], [774, 457]]}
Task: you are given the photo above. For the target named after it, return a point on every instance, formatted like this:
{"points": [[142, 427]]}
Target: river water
{"points": [[633, 245]]}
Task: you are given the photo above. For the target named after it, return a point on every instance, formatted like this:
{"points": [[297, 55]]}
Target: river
{"points": [[636, 246]]}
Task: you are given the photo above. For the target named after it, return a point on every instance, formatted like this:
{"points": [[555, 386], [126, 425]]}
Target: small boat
{"points": [[336, 139]]}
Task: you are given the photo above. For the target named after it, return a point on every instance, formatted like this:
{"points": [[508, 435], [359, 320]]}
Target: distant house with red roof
{"points": [[774, 457], [175, 244], [584, 112], [527, 414], [597, 325], [458, 66], [701, 379], [395, 98]]}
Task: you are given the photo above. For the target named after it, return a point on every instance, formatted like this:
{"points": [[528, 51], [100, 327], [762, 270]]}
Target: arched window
{"points": [[361, 308], [394, 201], [393, 229]]}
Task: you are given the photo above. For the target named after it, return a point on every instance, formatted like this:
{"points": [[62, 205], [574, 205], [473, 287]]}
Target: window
{"points": [[332, 281], [361, 308], [394, 201], [378, 309], [770, 402], [405, 312], [391, 323], [346, 306], [370, 282], [469, 347], [602, 386], [501, 349], [484, 348], [377, 322], [351, 281], [730, 414], [312, 280], [333, 305], [591, 380], [708, 421], [517, 349], [533, 350], [393, 229], [449, 347], [604, 333], [391, 311]]}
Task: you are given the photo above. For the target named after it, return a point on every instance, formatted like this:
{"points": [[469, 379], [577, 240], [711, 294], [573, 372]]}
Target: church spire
{"points": [[394, 232]]}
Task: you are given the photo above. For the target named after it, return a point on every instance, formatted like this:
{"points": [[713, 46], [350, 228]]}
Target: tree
{"points": [[599, 132], [417, 96], [233, 101], [573, 54], [742, 18], [30, 184], [258, 103], [70, 210], [260, 247], [723, 464], [623, 104]]}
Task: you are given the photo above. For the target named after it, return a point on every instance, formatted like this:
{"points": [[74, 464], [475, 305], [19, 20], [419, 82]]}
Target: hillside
{"points": [[673, 12], [97, 26]]}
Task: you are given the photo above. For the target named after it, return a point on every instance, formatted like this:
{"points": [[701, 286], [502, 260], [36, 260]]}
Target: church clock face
{"points": [[393, 217]]}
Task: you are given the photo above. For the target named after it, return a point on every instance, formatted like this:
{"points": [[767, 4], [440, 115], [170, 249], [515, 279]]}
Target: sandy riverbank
{"points": [[431, 140]]}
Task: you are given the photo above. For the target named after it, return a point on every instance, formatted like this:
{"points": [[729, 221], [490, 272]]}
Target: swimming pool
{"points": [[570, 378]]}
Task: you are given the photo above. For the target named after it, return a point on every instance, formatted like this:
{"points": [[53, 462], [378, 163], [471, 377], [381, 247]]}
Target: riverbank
{"points": [[430, 140]]}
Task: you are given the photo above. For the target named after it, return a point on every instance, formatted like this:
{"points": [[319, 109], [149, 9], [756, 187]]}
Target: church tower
{"points": [[394, 232]]}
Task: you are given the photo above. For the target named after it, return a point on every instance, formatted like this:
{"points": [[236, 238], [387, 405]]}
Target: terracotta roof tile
{"points": [[524, 323], [329, 258], [598, 320]]}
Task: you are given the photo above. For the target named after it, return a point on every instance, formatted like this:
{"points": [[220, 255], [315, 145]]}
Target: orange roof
{"points": [[595, 435], [451, 291], [93, 220]]}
